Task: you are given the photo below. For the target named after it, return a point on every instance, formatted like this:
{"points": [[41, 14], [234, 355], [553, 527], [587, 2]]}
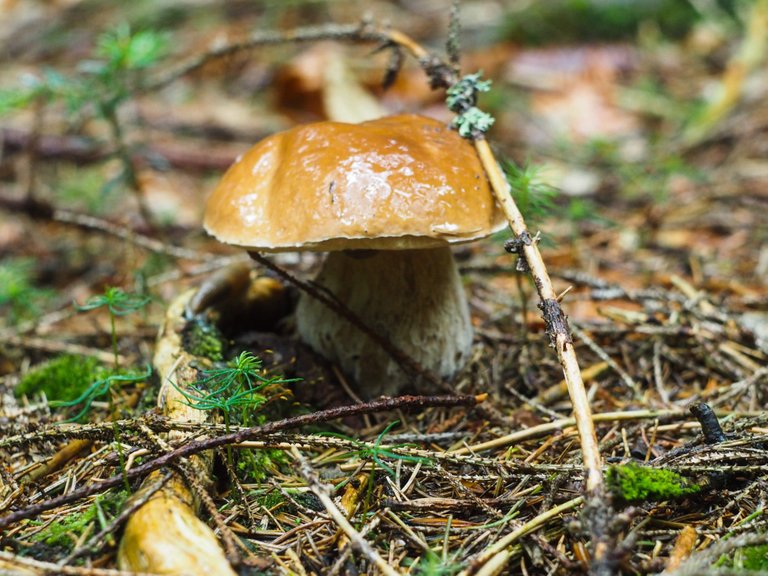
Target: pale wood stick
{"points": [[560, 335]]}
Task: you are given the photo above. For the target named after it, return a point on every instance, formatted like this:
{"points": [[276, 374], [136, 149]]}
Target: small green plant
{"points": [[239, 391], [635, 483], [99, 86], [99, 388], [18, 294], [61, 378], [117, 303], [533, 196], [105, 81], [241, 385], [377, 452]]}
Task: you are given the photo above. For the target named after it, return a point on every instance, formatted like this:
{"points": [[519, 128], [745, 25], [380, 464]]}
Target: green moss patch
{"points": [[201, 338], [636, 483], [62, 378]]}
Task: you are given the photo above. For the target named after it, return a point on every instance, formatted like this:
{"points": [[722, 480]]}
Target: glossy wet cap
{"points": [[398, 182]]}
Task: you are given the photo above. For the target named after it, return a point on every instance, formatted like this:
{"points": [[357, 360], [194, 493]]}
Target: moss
{"points": [[636, 483], [257, 465], [755, 557], [270, 499], [203, 339], [62, 378], [65, 531]]}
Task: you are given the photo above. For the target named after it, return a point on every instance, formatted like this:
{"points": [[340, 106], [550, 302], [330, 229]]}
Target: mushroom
{"points": [[386, 198]]}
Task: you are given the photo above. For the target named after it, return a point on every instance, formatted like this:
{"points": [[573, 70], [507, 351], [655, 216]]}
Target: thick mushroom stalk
{"points": [[414, 298]]}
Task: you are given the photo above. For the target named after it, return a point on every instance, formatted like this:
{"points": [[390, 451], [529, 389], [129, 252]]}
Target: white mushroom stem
{"points": [[413, 298]]}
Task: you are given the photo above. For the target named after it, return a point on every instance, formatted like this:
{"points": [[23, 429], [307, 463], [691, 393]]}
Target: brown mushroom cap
{"points": [[399, 182]]}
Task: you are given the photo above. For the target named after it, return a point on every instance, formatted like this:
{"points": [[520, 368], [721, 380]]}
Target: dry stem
{"points": [[323, 494], [197, 446], [561, 338], [494, 558]]}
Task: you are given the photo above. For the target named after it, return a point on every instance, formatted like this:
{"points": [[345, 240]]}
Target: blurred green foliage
{"points": [[103, 81], [20, 299], [566, 21], [754, 558], [534, 197]]}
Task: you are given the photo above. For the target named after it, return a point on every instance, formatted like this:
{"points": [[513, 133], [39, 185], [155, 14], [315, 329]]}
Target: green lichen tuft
{"points": [[203, 339], [62, 378], [636, 483]]}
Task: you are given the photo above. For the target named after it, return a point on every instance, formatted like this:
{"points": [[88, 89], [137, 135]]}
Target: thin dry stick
{"points": [[58, 347], [93, 223], [361, 32], [553, 315], [493, 559], [340, 562], [196, 446], [356, 539], [442, 75], [61, 457], [549, 427]]}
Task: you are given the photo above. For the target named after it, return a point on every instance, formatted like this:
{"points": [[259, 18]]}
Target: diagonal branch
{"points": [[197, 446]]}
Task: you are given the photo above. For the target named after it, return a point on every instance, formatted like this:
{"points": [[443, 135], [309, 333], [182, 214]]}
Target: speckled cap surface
{"points": [[399, 182]]}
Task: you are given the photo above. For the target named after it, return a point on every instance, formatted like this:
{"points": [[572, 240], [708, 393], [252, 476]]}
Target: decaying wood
{"points": [[165, 536]]}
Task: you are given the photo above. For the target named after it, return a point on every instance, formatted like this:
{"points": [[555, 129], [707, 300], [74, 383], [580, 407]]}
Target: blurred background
{"points": [[633, 132]]}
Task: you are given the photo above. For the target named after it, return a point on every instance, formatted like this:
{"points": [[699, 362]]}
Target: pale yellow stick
{"points": [[565, 350]]}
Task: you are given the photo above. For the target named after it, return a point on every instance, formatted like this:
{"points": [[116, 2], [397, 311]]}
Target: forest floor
{"points": [[642, 160]]}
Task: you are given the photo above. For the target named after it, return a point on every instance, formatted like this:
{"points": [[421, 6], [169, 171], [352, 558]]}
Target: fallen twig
{"points": [[194, 447], [494, 558], [356, 539]]}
